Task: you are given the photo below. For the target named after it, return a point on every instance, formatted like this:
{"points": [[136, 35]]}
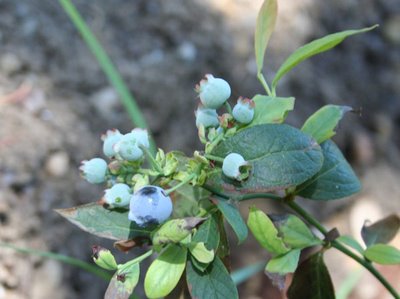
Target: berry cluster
{"points": [[127, 186], [214, 93]]}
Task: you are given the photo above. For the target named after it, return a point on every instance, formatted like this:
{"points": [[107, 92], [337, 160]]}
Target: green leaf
{"points": [[313, 48], [280, 157], [312, 280], [234, 218], [201, 253], [198, 265], [382, 231], [321, 125], [175, 230], [214, 283], [283, 264], [383, 254], [265, 24], [164, 273], [187, 200], [335, 180], [270, 110], [265, 232], [296, 234], [123, 283], [351, 242], [208, 233], [107, 223]]}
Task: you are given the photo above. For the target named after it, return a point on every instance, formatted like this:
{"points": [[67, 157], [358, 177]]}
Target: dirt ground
{"points": [[55, 103]]}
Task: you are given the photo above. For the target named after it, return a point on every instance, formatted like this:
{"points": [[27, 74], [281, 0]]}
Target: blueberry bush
{"points": [[176, 205]]}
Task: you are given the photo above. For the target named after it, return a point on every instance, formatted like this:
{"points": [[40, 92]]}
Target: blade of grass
{"points": [[241, 275], [107, 66], [62, 258]]}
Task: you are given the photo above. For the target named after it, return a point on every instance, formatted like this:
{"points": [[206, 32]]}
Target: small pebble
{"points": [[391, 29], [10, 63], [57, 164]]}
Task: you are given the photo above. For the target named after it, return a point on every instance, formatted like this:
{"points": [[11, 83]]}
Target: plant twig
{"points": [[339, 246], [314, 222], [214, 158]]}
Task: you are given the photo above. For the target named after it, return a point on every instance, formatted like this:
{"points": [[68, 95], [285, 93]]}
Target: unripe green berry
{"points": [[235, 167], [104, 258], [110, 138], [118, 195], [94, 170], [243, 111], [206, 117], [213, 92]]}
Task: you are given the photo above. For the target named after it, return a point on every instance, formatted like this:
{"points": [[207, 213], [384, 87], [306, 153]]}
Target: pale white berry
{"points": [[213, 92]]}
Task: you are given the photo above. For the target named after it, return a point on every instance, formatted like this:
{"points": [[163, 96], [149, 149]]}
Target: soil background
{"points": [[55, 103]]}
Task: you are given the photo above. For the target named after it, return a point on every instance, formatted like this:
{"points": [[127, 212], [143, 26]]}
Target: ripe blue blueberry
{"points": [[213, 92], [128, 146], [110, 138], [94, 170], [206, 117], [150, 205], [235, 167], [243, 111], [118, 195]]}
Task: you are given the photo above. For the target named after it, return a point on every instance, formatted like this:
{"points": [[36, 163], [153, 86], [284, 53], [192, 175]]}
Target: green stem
{"points": [[228, 107], [311, 220], [140, 258], [264, 83], [107, 66], [150, 157], [62, 258], [185, 181], [211, 146], [367, 265], [259, 195], [336, 244], [216, 192], [214, 158], [273, 91]]}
